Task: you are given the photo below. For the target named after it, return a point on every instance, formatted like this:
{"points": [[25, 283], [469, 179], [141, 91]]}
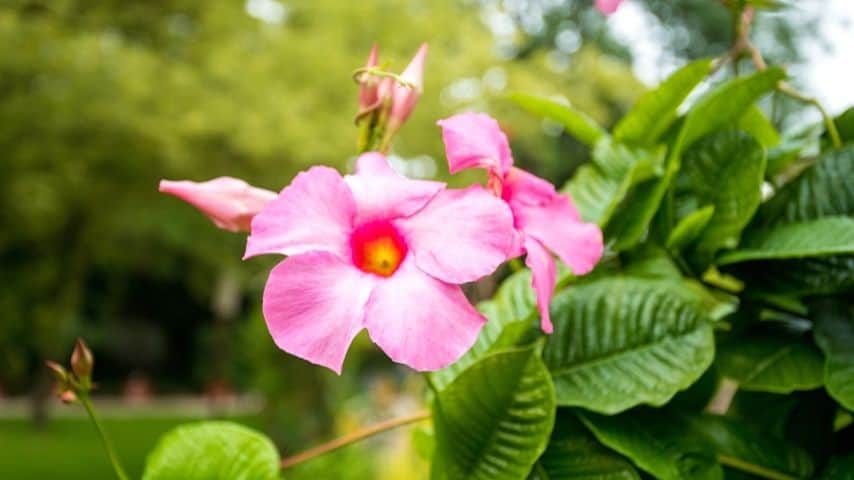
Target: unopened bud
{"points": [[67, 396], [82, 361], [404, 97], [369, 97], [59, 372]]}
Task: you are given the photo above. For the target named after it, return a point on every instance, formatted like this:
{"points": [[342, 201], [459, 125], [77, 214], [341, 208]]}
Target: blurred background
{"points": [[99, 100]]}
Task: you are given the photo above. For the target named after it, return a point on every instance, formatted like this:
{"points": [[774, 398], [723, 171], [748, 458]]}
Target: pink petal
{"points": [[526, 188], [608, 7], [578, 244], [382, 193], [544, 276], [420, 321], [461, 235], [229, 202], [314, 213], [475, 140], [314, 305], [404, 98]]}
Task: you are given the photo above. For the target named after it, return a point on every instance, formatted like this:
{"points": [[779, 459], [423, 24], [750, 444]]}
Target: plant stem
{"points": [[353, 437], [108, 446], [757, 470]]}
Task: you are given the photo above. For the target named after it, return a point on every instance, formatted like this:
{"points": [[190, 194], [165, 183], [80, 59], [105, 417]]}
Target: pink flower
{"points": [[229, 202], [607, 7], [404, 98], [546, 221], [378, 251], [369, 97]]}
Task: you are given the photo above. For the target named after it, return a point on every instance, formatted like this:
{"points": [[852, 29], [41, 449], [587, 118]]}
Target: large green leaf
{"points": [[210, 451], [825, 189], [656, 109], [725, 105], [748, 449], [725, 170], [755, 123], [574, 454], [621, 342], [690, 227], [800, 277], [834, 333], [576, 123], [494, 420], [658, 442], [825, 236], [770, 363], [509, 316], [599, 187]]}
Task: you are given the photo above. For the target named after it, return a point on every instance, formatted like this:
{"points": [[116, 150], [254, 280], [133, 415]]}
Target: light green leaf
{"points": [[599, 187], [511, 313], [658, 442], [574, 454], [690, 227], [621, 342], [725, 105], [494, 420], [755, 123], [825, 236], [725, 169], [747, 449], [210, 451], [656, 109], [834, 334], [773, 364], [825, 189], [576, 123]]}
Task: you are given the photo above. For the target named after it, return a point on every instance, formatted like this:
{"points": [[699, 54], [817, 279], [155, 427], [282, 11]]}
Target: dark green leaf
{"points": [[656, 109], [574, 454], [800, 277], [839, 468], [212, 450], [576, 123], [834, 334], [494, 420], [690, 227], [599, 187], [775, 364], [825, 236], [621, 342], [658, 442]]}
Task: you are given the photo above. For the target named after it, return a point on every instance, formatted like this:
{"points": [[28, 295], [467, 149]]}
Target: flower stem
{"points": [[353, 437], [108, 446], [751, 468]]}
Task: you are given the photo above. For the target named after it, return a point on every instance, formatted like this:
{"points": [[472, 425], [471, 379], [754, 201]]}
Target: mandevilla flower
{"points": [[229, 202], [545, 220], [607, 7], [378, 251]]}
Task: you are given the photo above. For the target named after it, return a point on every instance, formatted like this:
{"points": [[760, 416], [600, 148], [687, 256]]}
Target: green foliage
{"points": [[212, 450], [575, 122], [834, 334], [825, 236], [494, 420], [648, 338], [775, 364]]}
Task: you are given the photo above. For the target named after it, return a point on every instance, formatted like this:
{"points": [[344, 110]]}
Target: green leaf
{"points": [[825, 189], [773, 364], [510, 313], [690, 227], [578, 124], [212, 450], [834, 334], [755, 123], [599, 187], [725, 169], [800, 277], [725, 105], [574, 454], [825, 236], [494, 420], [845, 125], [656, 110], [621, 342], [747, 449], [839, 468], [658, 442]]}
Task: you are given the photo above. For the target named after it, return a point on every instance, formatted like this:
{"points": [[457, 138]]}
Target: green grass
{"points": [[69, 448]]}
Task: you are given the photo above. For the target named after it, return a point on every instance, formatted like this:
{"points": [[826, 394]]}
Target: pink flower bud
{"points": [[229, 202], [404, 97], [67, 396], [59, 372], [369, 85], [607, 7], [82, 360]]}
